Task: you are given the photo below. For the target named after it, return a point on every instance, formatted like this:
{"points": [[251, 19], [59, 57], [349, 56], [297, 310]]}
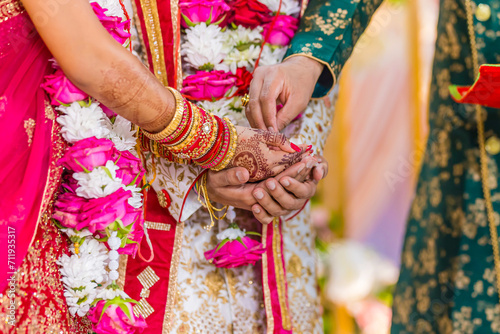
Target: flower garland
{"points": [[222, 43], [100, 207]]}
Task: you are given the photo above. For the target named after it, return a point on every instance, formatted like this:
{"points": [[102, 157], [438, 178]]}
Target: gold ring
{"points": [[245, 99]]}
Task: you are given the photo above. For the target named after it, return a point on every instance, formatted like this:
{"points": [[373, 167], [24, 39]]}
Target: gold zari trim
{"points": [[172, 282], [157, 226], [265, 283], [280, 275], [143, 308], [152, 23]]}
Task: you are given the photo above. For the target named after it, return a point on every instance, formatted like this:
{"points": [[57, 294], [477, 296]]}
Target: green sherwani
{"points": [[447, 282]]}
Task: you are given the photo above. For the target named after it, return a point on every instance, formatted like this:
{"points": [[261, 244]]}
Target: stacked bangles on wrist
{"points": [[193, 136]]}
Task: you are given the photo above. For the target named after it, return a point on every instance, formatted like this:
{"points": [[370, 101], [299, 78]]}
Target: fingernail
{"points": [[301, 168], [259, 195], [309, 148], [285, 182], [295, 147], [271, 185], [310, 164], [256, 210], [271, 129], [240, 177]]}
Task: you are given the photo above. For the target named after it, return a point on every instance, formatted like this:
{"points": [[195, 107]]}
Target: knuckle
{"points": [[264, 96]]}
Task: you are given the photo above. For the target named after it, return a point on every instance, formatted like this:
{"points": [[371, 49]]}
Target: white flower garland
{"points": [[90, 272]]}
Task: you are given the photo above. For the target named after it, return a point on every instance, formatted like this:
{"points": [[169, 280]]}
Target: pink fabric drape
{"points": [[26, 142]]}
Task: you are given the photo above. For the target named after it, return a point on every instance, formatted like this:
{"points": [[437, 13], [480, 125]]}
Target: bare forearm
{"points": [[99, 65]]}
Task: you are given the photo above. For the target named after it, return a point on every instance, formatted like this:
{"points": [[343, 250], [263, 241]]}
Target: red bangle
{"points": [[224, 148], [209, 153]]}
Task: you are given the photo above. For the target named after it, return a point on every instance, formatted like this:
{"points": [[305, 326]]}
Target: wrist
{"points": [[309, 64], [164, 118]]}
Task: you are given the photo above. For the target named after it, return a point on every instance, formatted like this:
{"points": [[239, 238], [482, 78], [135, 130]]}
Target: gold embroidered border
{"points": [[137, 24], [157, 226], [152, 22], [174, 10], [122, 270], [265, 284], [10, 9], [54, 174], [280, 275], [172, 282]]}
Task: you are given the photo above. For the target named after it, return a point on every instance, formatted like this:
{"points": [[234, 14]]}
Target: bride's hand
{"points": [[264, 154]]}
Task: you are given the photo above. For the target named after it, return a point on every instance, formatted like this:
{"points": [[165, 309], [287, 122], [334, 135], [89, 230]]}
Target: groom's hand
{"points": [[290, 83], [230, 187], [286, 192]]}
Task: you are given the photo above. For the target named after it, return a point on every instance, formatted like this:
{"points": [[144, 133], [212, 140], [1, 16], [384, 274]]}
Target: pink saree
{"points": [[31, 294]]}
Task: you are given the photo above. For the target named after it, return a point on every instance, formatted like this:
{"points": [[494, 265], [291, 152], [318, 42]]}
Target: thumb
{"points": [[231, 177], [291, 109]]}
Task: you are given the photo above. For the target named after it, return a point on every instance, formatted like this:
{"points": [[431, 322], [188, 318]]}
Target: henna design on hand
{"points": [[253, 154]]}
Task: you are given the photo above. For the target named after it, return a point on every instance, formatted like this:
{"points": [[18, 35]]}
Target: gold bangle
{"points": [[192, 124], [179, 112], [191, 135], [209, 137], [232, 147]]}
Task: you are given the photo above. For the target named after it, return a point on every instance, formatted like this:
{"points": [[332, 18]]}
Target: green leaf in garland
{"points": [[222, 243], [188, 21], [107, 172], [83, 167], [241, 242], [253, 233]]}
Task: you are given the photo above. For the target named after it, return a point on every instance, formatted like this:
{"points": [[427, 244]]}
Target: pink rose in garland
{"points": [[283, 30], [68, 208], [250, 13], [61, 90], [236, 249], [117, 317], [131, 169], [87, 154], [115, 25], [197, 11], [208, 85], [98, 213]]}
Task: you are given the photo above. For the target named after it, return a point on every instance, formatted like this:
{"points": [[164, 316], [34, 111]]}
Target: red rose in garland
{"points": [[250, 13], [243, 79]]}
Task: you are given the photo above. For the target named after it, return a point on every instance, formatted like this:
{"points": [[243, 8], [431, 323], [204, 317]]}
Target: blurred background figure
{"points": [[375, 150]]}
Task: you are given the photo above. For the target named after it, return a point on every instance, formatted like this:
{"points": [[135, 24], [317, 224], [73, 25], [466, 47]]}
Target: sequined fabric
{"points": [[447, 282], [40, 306], [10, 9]]}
